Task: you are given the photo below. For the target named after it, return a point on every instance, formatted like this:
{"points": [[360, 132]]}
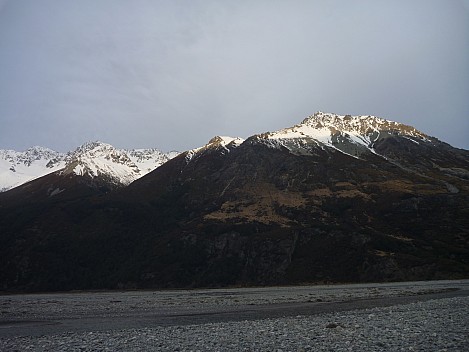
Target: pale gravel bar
{"points": [[432, 325]]}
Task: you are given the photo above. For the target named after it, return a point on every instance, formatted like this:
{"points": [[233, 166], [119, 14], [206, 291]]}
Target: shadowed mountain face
{"points": [[333, 199]]}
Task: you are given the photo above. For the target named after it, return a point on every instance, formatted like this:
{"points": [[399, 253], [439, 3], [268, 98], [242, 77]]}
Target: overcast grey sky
{"points": [[172, 74]]}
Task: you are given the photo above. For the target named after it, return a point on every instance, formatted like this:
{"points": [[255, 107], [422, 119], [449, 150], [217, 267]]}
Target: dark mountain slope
{"points": [[266, 211]]}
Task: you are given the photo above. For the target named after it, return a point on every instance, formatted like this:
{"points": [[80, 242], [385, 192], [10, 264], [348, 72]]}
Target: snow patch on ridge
{"points": [[223, 143], [344, 133], [148, 160], [100, 159]]}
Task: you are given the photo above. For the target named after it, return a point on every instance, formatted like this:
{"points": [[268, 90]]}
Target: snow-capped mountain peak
{"points": [[362, 124], [92, 147], [100, 159], [92, 159], [353, 135], [30, 155], [17, 168], [223, 143]]}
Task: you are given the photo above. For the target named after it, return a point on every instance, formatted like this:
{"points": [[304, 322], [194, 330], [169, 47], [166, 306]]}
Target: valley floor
{"points": [[418, 316]]}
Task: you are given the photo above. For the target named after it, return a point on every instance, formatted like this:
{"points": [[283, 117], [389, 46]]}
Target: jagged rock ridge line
{"points": [[353, 135], [93, 159]]}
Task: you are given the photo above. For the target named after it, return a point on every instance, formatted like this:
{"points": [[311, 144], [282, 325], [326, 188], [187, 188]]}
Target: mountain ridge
{"points": [[352, 135], [120, 166], [342, 205]]}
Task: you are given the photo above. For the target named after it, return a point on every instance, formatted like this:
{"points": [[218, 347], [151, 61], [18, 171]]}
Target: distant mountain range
{"points": [[332, 199], [93, 159]]}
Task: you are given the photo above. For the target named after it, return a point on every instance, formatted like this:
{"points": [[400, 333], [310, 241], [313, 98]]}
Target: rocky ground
{"points": [[436, 324]]}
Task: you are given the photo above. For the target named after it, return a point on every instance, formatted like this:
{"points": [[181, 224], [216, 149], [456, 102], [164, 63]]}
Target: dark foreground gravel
{"points": [[434, 325]]}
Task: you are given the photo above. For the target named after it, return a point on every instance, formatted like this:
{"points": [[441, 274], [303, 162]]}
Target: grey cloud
{"points": [[173, 74]]}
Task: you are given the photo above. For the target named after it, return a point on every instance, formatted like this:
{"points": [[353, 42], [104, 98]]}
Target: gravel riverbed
{"points": [[432, 325]]}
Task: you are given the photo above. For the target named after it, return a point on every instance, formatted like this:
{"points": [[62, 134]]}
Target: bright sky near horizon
{"points": [[173, 74]]}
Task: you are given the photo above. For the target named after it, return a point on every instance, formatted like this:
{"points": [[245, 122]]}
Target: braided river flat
{"points": [[410, 316]]}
